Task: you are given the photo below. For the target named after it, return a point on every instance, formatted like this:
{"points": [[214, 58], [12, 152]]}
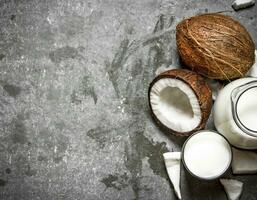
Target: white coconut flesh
{"points": [[175, 104]]}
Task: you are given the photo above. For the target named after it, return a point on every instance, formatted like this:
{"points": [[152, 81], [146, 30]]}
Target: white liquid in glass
{"points": [[207, 154]]}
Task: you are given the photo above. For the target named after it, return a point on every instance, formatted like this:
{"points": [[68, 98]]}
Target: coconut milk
{"points": [[207, 154], [235, 113], [247, 108]]}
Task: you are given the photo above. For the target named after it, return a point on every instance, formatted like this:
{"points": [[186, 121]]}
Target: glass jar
{"points": [[235, 113]]}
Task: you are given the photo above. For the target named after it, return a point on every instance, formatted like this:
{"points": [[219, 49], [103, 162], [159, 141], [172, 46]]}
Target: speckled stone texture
{"points": [[74, 117]]}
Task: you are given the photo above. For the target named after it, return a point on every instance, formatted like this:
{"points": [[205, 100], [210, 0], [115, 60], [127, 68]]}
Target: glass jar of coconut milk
{"points": [[235, 113]]}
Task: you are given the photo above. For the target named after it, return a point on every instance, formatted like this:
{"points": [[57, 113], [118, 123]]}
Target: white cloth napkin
{"points": [[172, 162], [233, 188], [244, 162]]}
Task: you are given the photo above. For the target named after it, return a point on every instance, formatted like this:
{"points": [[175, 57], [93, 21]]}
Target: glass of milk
{"points": [[206, 155]]}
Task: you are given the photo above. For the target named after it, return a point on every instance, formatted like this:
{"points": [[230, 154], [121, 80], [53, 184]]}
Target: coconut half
{"points": [[180, 101]]}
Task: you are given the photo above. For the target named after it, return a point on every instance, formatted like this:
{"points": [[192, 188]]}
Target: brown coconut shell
{"points": [[201, 90], [215, 46]]}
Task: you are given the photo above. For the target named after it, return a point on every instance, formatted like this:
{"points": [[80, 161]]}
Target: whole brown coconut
{"points": [[180, 101], [215, 46]]}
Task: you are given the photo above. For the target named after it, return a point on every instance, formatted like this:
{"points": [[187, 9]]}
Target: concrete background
{"points": [[74, 117]]}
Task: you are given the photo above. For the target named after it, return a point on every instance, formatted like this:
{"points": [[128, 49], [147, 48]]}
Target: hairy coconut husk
{"points": [[201, 90], [215, 46]]}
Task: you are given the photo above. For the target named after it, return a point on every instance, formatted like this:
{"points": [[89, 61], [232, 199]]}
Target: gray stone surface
{"points": [[74, 117]]}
